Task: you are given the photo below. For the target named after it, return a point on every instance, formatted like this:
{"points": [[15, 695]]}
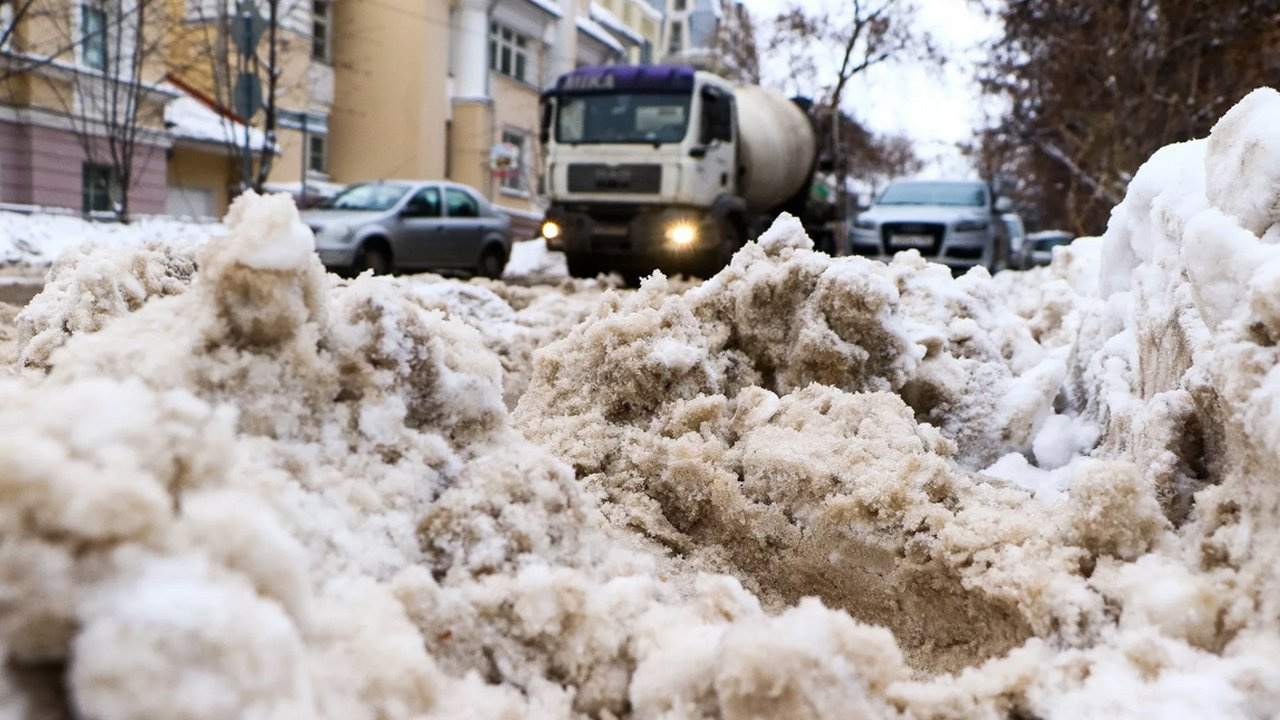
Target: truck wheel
{"points": [[580, 265], [719, 258]]}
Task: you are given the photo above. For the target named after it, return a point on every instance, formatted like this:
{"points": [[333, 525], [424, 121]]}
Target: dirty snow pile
{"points": [[807, 488]]}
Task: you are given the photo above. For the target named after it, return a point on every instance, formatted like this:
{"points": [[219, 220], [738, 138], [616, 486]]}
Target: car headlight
{"points": [[864, 224], [551, 230], [682, 234], [333, 233], [972, 225]]}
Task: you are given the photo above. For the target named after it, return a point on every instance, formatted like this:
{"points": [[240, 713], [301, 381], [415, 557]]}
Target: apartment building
{"points": [[713, 35], [82, 108], [461, 97], [364, 90]]}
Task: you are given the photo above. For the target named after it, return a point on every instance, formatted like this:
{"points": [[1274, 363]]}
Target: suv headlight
{"points": [[972, 225], [864, 224]]}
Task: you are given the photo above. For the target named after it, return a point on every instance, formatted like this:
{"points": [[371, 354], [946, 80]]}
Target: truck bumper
{"points": [[632, 241]]}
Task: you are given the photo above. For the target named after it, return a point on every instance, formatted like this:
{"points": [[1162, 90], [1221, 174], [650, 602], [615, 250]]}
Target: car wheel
{"points": [[375, 259], [492, 261]]}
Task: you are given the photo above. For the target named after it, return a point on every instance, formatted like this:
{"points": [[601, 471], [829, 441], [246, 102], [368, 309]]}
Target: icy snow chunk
{"points": [[785, 232], [1242, 163], [1061, 438], [266, 233], [531, 260]]}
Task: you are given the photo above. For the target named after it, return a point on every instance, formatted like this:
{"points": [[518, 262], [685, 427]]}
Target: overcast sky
{"points": [[935, 108]]}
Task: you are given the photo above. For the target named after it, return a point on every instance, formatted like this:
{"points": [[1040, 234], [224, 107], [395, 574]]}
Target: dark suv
{"points": [[954, 222]]}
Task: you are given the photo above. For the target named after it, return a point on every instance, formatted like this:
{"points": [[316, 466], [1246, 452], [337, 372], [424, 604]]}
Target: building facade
{"points": [[364, 90], [82, 110], [713, 35]]}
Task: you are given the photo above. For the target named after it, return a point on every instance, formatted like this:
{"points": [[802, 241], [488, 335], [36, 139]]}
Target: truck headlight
{"points": [[682, 234], [971, 225], [551, 230]]}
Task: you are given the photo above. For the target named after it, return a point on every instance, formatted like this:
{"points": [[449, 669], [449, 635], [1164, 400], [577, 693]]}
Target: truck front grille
{"points": [[627, 178], [925, 237]]}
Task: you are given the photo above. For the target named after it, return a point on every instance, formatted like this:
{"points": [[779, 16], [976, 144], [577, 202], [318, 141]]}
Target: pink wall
{"points": [[42, 166]]}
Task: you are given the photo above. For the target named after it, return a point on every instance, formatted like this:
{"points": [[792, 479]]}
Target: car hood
{"points": [[922, 213], [324, 218]]}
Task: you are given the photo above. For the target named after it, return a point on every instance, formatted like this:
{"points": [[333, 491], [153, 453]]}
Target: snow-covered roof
{"points": [[611, 22], [189, 118], [598, 33], [550, 7]]}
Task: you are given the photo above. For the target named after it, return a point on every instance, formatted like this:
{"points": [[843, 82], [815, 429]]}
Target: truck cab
{"points": [[641, 167]]}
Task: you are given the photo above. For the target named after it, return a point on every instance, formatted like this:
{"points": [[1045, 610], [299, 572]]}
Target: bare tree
{"points": [[822, 51], [11, 13], [1093, 87], [97, 65], [215, 64]]}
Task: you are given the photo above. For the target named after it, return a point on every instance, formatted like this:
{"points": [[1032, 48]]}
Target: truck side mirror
{"points": [[1004, 205]]}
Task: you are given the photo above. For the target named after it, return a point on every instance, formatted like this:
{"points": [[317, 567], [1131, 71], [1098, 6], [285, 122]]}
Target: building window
{"points": [[93, 33], [318, 153], [677, 38], [321, 24], [95, 187], [513, 177], [508, 51], [679, 6]]}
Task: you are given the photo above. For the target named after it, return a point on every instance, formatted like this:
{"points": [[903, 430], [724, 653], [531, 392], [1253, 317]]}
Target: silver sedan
{"points": [[401, 225]]}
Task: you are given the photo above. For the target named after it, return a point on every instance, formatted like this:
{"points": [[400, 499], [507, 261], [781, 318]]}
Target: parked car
{"points": [[1038, 249], [955, 222], [396, 225], [1017, 233]]}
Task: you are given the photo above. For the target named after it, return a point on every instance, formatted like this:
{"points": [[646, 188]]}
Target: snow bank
{"points": [[530, 261], [809, 487], [39, 239]]}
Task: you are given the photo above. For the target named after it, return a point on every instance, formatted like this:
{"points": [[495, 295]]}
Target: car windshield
{"points": [[369, 196], [623, 118], [934, 193]]}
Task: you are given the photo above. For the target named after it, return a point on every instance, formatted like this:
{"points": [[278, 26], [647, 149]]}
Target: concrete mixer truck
{"points": [[667, 167]]}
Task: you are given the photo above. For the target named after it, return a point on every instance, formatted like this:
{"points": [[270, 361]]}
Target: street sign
{"points": [[246, 28], [248, 95]]}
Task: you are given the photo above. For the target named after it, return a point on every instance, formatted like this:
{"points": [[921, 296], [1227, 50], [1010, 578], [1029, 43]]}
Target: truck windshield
{"points": [[623, 118], [934, 193]]}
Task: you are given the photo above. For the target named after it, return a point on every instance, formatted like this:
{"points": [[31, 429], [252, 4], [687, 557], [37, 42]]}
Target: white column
{"points": [[565, 50], [471, 50]]}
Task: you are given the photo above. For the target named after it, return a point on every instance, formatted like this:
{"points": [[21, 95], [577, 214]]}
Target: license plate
{"points": [[913, 240], [610, 230]]}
